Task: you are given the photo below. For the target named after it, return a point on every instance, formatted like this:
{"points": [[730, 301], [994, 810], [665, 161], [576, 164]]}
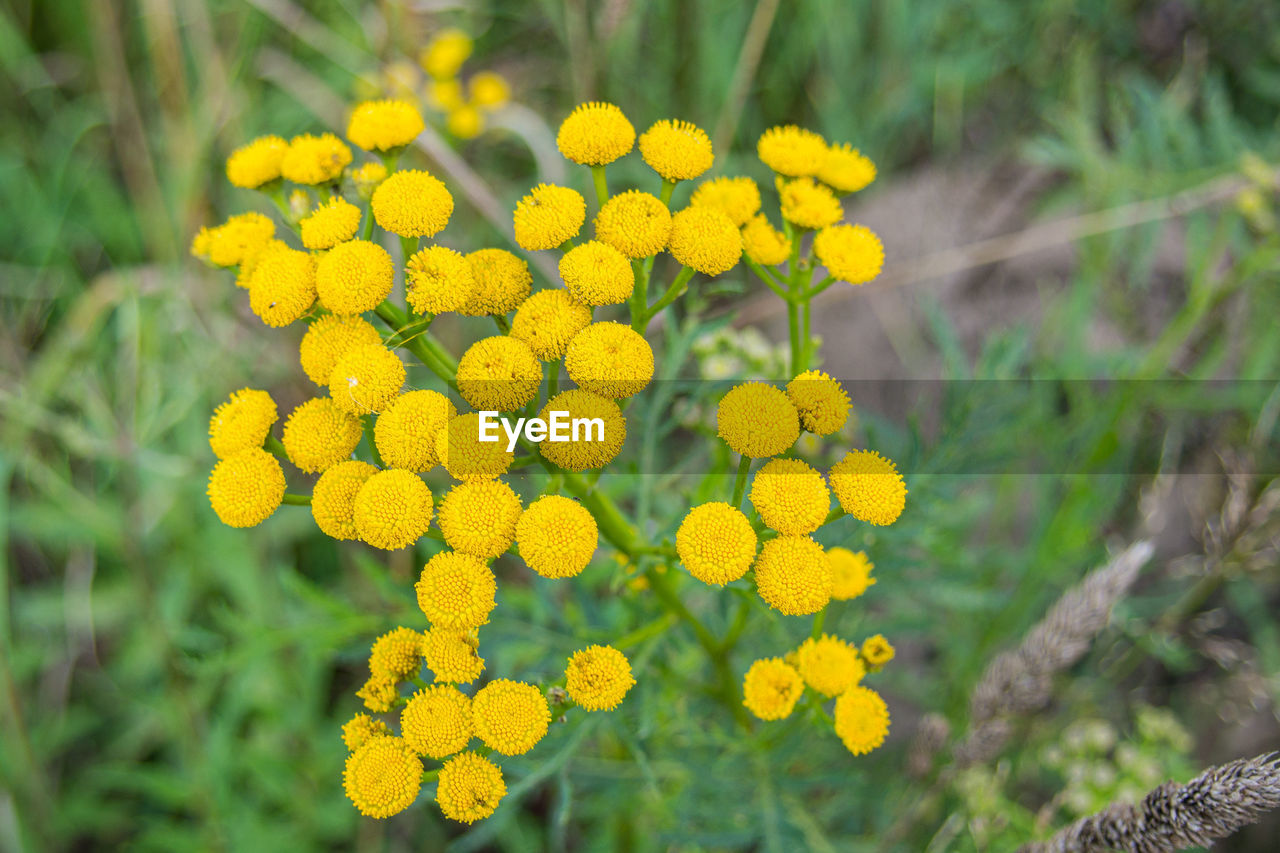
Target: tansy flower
{"points": [[452, 655], [367, 177], [328, 339], [851, 573], [242, 422], [354, 277], [361, 728], [595, 134], [379, 693], [862, 720], [771, 688], [792, 151], [366, 379], [480, 517], [245, 488], [548, 320], [548, 216], [444, 54], [676, 150], [793, 575], [598, 677], [823, 405], [250, 166], [253, 254], [764, 244], [384, 125], [489, 90], [234, 241], [809, 204], [436, 722], [716, 543], [510, 716], [589, 449], [791, 497], [869, 487], [877, 651], [610, 359], [736, 198], [499, 374], [445, 95], [503, 281], [397, 654], [597, 274], [405, 433], [851, 253], [557, 536], [315, 159], [382, 777], [412, 203], [635, 223], [392, 510], [705, 239], [846, 170], [283, 286], [333, 498], [464, 122], [456, 590], [330, 224], [757, 420], [469, 788], [465, 456], [829, 665], [439, 280], [319, 434]]}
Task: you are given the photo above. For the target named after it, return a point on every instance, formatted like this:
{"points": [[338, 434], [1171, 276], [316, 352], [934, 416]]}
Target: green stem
{"points": [[367, 420], [367, 232], [427, 350], [639, 303], [273, 445], [602, 184], [296, 500], [836, 513], [408, 247], [553, 379], [820, 286], [766, 275], [668, 187], [806, 339], [818, 619], [740, 482], [501, 322], [612, 524], [793, 328], [671, 295]]}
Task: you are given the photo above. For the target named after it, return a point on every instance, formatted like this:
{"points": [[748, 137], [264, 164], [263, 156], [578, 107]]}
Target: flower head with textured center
{"points": [[328, 339], [436, 722], [705, 239], [360, 729], [821, 401], [439, 280], [548, 216], [319, 434], [465, 456], [366, 379], [453, 655], [869, 487], [770, 689], [480, 517], [764, 244], [235, 241], [829, 665], [851, 253], [499, 374], [242, 422], [547, 321], [597, 274], [246, 487], [405, 434], [791, 497], [846, 169], [503, 281], [333, 498], [635, 223], [283, 286], [736, 198], [862, 720], [379, 693], [809, 204], [331, 223], [589, 449], [384, 125], [393, 509], [757, 420], [595, 134], [557, 536], [315, 159], [397, 654], [354, 277], [250, 166], [382, 777], [412, 203], [470, 787], [610, 359], [676, 150], [793, 575], [598, 677], [456, 590], [877, 651], [510, 716], [716, 543], [851, 573], [792, 151]]}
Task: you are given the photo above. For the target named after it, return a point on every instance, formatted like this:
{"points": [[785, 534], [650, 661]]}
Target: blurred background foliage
{"points": [[169, 683]]}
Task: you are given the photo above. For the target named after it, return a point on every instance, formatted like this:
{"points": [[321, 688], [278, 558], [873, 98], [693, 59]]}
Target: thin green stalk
{"points": [[367, 420], [273, 445], [793, 328], [818, 619], [820, 286], [296, 500], [602, 184], [766, 275], [408, 247], [668, 187], [740, 482], [501, 322], [367, 232], [806, 339], [671, 295], [639, 304], [836, 513], [427, 350], [553, 379]]}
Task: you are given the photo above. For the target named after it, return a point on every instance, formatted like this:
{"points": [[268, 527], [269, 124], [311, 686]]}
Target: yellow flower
{"points": [[598, 677], [595, 134], [452, 655], [851, 573], [330, 224], [319, 434], [445, 95], [412, 203], [548, 320], [384, 125], [757, 420], [793, 575], [771, 688], [829, 665], [465, 456], [705, 239], [366, 379], [360, 729], [244, 421], [821, 401], [440, 280], [676, 150], [851, 253], [635, 223], [737, 198], [862, 720], [382, 777], [763, 243], [877, 651], [470, 788], [333, 499], [594, 446], [716, 543], [436, 722], [379, 693], [397, 654], [235, 241], [846, 169], [597, 274], [283, 286], [503, 281], [499, 374], [315, 159], [809, 204], [548, 216], [791, 497], [480, 517], [249, 264], [610, 359], [392, 510], [367, 177], [489, 90], [330, 338], [444, 54], [792, 151], [245, 488], [869, 487], [510, 716], [557, 536], [465, 122], [250, 166], [354, 277], [405, 434], [456, 590]]}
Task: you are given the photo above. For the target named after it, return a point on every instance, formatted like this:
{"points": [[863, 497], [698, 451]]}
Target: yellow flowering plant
{"points": [[396, 465]]}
